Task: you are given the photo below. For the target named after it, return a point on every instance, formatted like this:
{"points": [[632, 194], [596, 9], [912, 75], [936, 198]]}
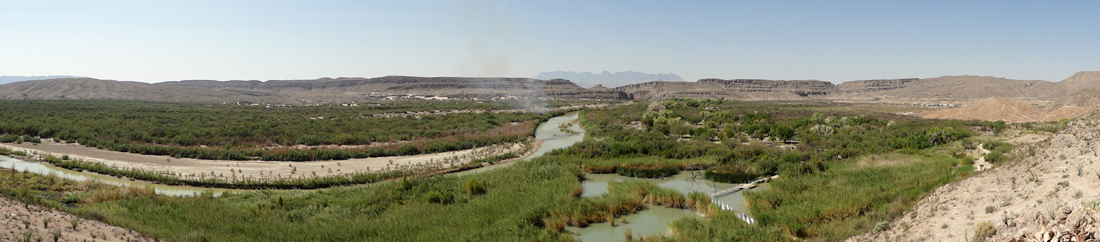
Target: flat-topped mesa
{"points": [[875, 85], [739, 89], [772, 85], [802, 88]]}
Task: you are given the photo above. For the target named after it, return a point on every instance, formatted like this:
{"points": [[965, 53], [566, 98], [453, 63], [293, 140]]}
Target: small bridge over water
{"points": [[743, 216], [738, 187]]}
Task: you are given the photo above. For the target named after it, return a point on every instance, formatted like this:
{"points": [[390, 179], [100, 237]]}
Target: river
{"points": [[654, 219], [548, 132]]}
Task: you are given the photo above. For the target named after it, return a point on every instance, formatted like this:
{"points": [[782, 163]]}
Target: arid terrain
{"points": [[1049, 196], [947, 88], [20, 219], [1006, 109], [331, 90]]}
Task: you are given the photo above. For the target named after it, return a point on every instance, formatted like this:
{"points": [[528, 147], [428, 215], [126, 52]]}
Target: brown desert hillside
{"points": [[1081, 81], [951, 88], [1086, 98], [88, 88], [1004, 109]]}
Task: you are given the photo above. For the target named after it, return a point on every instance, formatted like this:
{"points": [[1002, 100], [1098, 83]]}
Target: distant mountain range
{"points": [[10, 79], [329, 90], [947, 88], [607, 79], [324, 90]]}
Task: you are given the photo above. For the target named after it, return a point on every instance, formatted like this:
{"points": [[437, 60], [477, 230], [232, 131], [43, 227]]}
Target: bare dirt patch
{"points": [[14, 213]]}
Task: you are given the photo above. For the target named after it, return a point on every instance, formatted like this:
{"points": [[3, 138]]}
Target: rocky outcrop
{"points": [[759, 85], [737, 89], [875, 85]]}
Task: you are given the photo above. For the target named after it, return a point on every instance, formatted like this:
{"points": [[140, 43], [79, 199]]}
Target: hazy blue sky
{"points": [[836, 41]]}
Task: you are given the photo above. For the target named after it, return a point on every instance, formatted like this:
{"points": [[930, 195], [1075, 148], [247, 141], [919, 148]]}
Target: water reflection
{"points": [[653, 219]]}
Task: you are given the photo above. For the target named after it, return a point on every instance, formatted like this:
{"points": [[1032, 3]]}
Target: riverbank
{"points": [[195, 169]]}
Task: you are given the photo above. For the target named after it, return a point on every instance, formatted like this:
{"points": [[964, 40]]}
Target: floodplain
{"points": [[648, 170]]}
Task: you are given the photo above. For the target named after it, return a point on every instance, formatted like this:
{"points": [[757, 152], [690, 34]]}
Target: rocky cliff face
{"points": [[769, 85], [875, 85]]}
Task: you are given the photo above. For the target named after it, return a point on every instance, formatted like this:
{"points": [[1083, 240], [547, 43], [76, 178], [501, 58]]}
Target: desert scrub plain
{"points": [[843, 170]]}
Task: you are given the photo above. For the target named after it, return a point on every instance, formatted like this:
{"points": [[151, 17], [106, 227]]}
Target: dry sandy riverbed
{"points": [[12, 228], [196, 169]]}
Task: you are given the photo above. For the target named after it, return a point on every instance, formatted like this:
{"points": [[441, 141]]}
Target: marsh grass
{"points": [[824, 206], [529, 200]]}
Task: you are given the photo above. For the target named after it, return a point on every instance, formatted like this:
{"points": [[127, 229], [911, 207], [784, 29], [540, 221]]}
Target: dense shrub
{"points": [[647, 170], [474, 186], [731, 174]]}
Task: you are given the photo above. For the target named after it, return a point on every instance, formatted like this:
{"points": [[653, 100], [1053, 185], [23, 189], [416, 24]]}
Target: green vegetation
{"points": [[730, 174], [656, 170], [482, 206], [825, 204], [844, 169], [815, 196], [231, 132]]}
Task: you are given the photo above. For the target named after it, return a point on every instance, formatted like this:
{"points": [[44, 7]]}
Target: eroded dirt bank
{"points": [[13, 214]]}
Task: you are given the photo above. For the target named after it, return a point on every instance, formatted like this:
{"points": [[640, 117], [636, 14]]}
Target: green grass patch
{"points": [[849, 198]]}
